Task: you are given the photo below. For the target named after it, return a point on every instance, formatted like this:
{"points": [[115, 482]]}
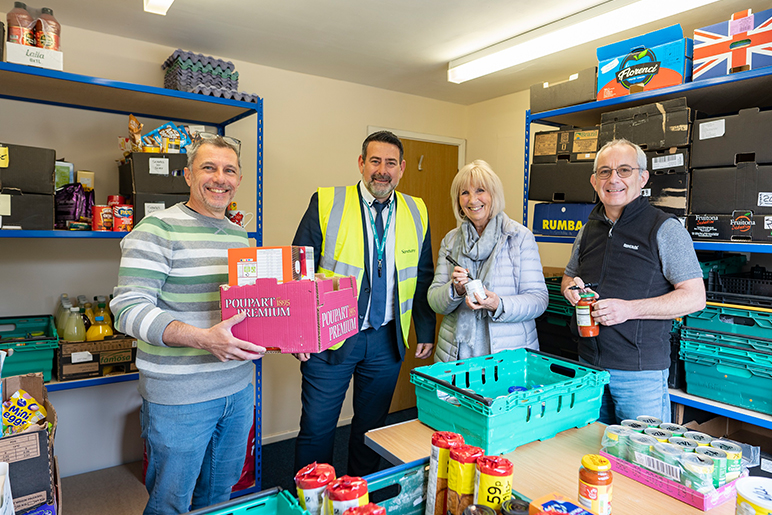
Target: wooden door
{"points": [[439, 164]]}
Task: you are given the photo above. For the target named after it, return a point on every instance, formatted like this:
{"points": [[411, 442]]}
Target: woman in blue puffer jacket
{"points": [[503, 254]]}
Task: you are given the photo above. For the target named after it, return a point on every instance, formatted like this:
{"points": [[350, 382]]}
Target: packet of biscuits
{"points": [[135, 134]]}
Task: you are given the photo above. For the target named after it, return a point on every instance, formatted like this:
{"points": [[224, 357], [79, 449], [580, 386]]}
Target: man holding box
{"points": [[644, 273], [195, 377], [381, 237]]}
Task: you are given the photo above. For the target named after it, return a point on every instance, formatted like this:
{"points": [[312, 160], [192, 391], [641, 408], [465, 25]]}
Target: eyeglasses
{"points": [[623, 172], [201, 136]]}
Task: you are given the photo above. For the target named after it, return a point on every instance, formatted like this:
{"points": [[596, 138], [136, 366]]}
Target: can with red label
{"points": [[123, 217], [101, 218], [115, 200]]}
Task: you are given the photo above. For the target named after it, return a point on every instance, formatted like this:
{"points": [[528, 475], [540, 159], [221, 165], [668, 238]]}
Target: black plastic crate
{"points": [[555, 336], [757, 281]]}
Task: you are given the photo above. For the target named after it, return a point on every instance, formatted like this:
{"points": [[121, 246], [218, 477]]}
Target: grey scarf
{"points": [[476, 254]]}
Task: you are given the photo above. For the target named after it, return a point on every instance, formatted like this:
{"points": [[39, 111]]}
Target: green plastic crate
{"points": [[273, 501], [33, 340], [733, 376], [471, 397], [400, 490], [727, 339], [735, 320], [729, 264]]}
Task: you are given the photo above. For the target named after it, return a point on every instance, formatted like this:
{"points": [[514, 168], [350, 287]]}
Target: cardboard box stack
{"points": [[153, 182], [26, 187], [732, 178]]}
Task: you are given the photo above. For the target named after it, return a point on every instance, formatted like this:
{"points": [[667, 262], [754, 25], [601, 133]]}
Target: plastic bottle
{"points": [[60, 307], [99, 330], [74, 330], [20, 25], [103, 311], [86, 320], [82, 300], [66, 305], [90, 312], [47, 30]]}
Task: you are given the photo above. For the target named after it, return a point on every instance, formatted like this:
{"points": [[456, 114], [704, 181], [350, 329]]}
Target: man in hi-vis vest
{"points": [[382, 238]]}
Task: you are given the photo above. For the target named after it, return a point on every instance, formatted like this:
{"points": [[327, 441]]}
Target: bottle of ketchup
{"points": [[584, 320]]}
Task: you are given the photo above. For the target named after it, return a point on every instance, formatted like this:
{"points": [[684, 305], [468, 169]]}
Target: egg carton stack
{"points": [[197, 73]]}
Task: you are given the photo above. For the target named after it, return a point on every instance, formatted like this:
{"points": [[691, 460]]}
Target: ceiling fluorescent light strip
{"points": [[158, 6], [595, 23]]}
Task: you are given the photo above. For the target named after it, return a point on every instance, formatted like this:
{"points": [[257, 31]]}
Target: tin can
{"points": [[514, 507], [636, 426], [734, 456], [754, 496], [475, 286], [114, 200], [719, 463], [123, 217], [479, 509], [311, 481], [698, 472], [685, 444], [661, 435], [702, 439], [639, 446], [676, 429], [101, 218], [649, 421], [493, 481], [615, 440]]}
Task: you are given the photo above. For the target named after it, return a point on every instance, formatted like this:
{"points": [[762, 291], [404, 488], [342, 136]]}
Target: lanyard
{"points": [[380, 245]]}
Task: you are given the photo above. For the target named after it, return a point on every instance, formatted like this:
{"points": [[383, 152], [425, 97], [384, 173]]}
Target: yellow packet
{"points": [[21, 411]]}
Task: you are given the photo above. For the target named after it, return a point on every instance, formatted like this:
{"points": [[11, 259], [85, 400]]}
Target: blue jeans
{"points": [[195, 452], [631, 393]]}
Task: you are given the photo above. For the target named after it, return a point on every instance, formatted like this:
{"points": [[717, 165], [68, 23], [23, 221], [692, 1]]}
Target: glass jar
{"points": [[595, 487], [584, 320]]}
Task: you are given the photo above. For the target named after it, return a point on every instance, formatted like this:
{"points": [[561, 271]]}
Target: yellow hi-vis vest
{"points": [[343, 251]]}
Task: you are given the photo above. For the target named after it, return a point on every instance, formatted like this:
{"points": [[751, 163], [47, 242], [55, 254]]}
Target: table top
{"points": [[543, 467]]}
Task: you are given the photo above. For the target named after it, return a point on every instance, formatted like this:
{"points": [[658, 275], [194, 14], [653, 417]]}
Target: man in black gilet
{"points": [[645, 271]]}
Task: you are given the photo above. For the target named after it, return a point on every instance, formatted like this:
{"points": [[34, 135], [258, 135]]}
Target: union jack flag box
{"points": [[742, 43]]}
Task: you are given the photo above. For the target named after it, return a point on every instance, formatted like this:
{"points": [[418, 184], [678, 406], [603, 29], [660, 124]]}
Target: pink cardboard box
{"points": [[669, 487], [295, 316]]}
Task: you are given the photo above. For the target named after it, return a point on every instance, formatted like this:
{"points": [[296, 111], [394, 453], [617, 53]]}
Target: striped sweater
{"points": [[172, 266]]}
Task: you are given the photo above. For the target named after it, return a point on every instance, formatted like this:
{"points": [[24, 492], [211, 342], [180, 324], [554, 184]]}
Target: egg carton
{"points": [[187, 65], [183, 55]]}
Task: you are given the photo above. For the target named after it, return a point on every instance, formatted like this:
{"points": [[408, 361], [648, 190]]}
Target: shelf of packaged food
{"points": [[719, 408], [42, 86], [710, 97], [12, 233], [55, 386]]}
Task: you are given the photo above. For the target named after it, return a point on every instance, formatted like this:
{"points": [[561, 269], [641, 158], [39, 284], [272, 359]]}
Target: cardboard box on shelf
{"points": [[27, 169], [561, 181], [34, 56], [560, 219], [148, 203], [578, 89], [572, 144], [153, 173], [707, 227], [112, 356], [732, 139], [86, 178], [28, 211], [669, 192], [288, 263], [29, 454], [656, 126], [738, 44], [655, 60], [295, 316], [671, 160], [723, 190]]}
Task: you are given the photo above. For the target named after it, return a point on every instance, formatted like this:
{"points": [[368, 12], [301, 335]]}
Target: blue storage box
{"points": [[655, 60], [560, 219], [472, 397]]}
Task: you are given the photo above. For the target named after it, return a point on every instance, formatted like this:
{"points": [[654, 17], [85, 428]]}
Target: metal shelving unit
{"points": [[709, 98], [55, 88]]}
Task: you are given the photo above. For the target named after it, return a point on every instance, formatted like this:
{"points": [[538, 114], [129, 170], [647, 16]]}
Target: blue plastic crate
{"points": [[401, 490], [471, 397], [730, 375], [273, 501]]}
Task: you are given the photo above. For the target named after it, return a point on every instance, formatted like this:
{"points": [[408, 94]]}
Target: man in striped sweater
{"points": [[194, 375]]}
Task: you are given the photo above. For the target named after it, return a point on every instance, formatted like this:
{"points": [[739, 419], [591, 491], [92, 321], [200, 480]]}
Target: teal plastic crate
{"points": [[732, 319], [273, 501], [471, 397], [401, 490], [557, 302], [727, 339], [729, 264], [33, 340], [730, 375]]}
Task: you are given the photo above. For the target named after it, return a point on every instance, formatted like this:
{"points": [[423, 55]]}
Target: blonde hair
{"points": [[477, 173]]}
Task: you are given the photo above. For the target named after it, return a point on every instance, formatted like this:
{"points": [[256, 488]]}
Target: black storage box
{"points": [[668, 191], [555, 336], [153, 173], [148, 203], [723, 190], [29, 169], [709, 227], [672, 160], [29, 211], [654, 126], [561, 181], [562, 94], [729, 140], [572, 144]]}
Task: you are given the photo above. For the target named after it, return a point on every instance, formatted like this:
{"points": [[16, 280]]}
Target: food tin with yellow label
{"points": [[754, 496]]}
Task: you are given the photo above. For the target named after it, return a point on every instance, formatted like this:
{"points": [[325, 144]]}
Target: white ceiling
{"points": [[400, 45]]}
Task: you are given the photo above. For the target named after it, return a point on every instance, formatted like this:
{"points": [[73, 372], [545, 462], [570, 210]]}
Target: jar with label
{"points": [[595, 486], [584, 320]]}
